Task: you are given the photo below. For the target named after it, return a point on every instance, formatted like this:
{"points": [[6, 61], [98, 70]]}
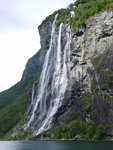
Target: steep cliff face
{"points": [[89, 90], [35, 63], [49, 92], [91, 70]]}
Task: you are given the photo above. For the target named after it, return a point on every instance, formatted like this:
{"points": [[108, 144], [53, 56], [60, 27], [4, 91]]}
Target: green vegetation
{"points": [[85, 96], [110, 82], [22, 135], [103, 68], [63, 15], [106, 96], [76, 127], [87, 9], [13, 104], [111, 68], [74, 80], [61, 18]]}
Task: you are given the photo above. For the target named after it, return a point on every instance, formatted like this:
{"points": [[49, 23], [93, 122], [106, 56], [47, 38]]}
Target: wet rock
{"points": [[78, 137]]}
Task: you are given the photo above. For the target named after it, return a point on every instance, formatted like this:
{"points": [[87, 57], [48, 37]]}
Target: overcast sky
{"points": [[19, 38]]}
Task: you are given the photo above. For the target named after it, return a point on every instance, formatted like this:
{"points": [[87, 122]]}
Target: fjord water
{"points": [[55, 145]]}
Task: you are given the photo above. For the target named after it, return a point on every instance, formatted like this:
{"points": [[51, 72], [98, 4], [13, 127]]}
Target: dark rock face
{"points": [[33, 66], [35, 63], [92, 74], [98, 104]]}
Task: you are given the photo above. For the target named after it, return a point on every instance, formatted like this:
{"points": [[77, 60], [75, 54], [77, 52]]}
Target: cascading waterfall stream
{"points": [[53, 80], [54, 104], [44, 77]]}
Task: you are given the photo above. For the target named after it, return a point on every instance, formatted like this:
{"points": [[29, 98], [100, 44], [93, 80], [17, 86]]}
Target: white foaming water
{"points": [[72, 14], [59, 83], [54, 103], [44, 78], [53, 80]]}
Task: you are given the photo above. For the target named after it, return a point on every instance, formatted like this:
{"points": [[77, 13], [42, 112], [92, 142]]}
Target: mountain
{"points": [[69, 78]]}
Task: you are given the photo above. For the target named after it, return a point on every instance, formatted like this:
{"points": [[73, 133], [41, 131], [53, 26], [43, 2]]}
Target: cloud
{"points": [[19, 39], [16, 48], [25, 14], [16, 15]]}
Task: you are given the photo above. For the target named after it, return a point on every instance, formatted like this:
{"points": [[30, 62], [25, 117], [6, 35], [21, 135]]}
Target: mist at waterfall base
{"points": [[53, 82], [19, 38]]}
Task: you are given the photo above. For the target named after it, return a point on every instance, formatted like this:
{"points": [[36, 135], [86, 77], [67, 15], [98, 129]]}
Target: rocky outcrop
{"points": [[33, 67], [96, 37], [91, 94], [91, 71], [35, 63]]}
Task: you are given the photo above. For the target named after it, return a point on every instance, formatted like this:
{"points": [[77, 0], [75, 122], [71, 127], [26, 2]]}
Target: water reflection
{"points": [[55, 145]]}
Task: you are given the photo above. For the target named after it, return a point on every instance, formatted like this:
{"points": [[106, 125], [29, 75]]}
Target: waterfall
{"points": [[53, 80], [32, 102], [55, 101]]}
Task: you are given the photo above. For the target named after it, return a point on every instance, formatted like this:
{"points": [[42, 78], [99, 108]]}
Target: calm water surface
{"points": [[55, 145]]}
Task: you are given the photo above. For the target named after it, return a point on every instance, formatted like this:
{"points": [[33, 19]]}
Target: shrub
{"points": [[77, 127], [110, 83], [90, 131], [100, 132], [57, 132]]}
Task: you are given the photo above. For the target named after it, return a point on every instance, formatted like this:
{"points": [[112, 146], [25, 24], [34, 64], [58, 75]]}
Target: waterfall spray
{"points": [[53, 80]]}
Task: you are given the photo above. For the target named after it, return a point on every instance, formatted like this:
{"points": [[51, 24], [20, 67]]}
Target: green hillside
{"points": [[14, 104]]}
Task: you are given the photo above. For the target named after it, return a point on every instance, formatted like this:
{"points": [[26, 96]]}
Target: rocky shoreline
{"points": [[76, 138]]}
